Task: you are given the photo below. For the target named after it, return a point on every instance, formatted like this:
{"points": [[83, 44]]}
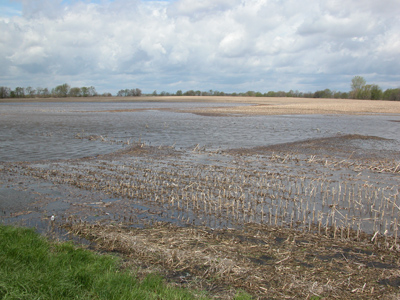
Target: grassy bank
{"points": [[33, 268]]}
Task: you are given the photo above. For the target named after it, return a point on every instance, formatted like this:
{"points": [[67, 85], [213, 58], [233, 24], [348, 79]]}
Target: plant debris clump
{"points": [[267, 262]]}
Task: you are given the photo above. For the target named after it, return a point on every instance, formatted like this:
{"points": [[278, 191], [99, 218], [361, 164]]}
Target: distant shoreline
{"points": [[261, 105]]}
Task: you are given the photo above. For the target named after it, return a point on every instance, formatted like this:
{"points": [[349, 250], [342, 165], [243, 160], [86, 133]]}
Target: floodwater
{"points": [[37, 131], [219, 171]]}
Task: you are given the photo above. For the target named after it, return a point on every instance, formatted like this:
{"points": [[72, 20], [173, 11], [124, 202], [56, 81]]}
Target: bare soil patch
{"points": [[349, 146]]}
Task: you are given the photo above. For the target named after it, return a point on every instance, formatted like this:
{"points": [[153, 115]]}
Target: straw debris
{"points": [[267, 262]]}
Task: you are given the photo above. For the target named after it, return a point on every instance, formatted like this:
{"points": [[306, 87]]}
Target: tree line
{"points": [[130, 93], [359, 90], [60, 91]]}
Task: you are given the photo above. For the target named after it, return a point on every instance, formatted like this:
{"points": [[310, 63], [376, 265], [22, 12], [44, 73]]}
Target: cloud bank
{"points": [[226, 45]]}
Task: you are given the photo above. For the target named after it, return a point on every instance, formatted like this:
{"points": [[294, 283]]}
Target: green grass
{"points": [[33, 268]]}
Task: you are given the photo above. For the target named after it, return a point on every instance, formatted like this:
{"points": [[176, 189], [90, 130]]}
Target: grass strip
{"points": [[31, 267]]}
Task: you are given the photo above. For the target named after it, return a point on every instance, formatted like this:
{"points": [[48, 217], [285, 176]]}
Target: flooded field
{"points": [[36, 131], [140, 164], [297, 171]]}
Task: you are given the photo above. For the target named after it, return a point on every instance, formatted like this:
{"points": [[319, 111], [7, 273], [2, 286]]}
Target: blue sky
{"points": [[10, 8], [225, 45]]}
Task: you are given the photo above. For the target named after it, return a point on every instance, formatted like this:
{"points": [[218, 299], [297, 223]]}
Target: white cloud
{"points": [[218, 44]]}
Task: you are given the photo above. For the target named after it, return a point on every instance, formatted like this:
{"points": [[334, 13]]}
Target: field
{"points": [[316, 218]]}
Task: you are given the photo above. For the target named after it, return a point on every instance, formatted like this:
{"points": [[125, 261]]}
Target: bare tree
{"points": [[30, 92], [5, 92]]}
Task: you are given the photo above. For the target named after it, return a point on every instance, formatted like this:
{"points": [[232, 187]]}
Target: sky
{"points": [[224, 45]]}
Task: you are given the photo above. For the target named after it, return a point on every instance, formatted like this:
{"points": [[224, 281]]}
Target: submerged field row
{"points": [[248, 191]]}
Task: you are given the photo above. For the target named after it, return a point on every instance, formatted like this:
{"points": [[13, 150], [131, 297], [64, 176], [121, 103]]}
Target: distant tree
{"points": [[39, 91], [92, 91], [336, 95], [290, 93], [364, 92], [5, 92], [357, 84], [154, 93], [179, 93], [62, 90], [217, 93], [19, 92], [85, 91], [129, 93], [376, 92], [163, 93], [318, 94], [190, 93], [296, 93], [327, 93], [392, 94], [42, 92], [198, 93], [340, 95], [124, 93], [75, 92], [30, 92]]}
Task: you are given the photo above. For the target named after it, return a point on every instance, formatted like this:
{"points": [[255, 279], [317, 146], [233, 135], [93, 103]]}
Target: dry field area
{"points": [[286, 106]]}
